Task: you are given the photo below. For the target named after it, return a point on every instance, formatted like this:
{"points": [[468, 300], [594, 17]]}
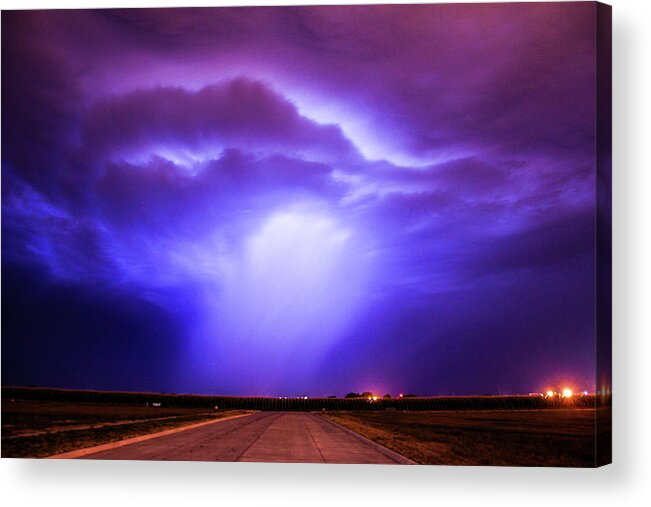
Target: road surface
{"points": [[277, 437]]}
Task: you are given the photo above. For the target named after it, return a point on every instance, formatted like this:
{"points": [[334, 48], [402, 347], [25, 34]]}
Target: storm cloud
{"points": [[300, 199]]}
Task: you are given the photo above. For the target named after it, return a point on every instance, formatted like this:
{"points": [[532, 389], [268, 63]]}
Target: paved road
{"points": [[281, 437]]}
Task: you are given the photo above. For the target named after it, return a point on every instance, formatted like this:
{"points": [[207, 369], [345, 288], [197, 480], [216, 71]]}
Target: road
{"points": [[277, 437]]}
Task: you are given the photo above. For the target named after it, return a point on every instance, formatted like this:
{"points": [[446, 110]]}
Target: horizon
{"points": [[557, 393]]}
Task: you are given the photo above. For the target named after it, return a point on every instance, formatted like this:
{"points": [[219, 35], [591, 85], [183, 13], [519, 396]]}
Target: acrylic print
{"points": [[325, 234]]}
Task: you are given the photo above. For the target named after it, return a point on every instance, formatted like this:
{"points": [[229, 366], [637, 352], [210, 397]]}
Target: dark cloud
{"points": [[110, 339], [159, 193], [237, 114], [40, 102]]}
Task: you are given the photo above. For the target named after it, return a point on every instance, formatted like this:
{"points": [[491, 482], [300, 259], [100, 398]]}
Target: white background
{"points": [[627, 482]]}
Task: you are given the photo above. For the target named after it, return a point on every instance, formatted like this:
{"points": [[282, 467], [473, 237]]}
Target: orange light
{"points": [[374, 398], [567, 392], [550, 394]]}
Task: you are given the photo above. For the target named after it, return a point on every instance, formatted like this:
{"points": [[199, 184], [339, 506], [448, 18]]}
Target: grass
{"points": [[549, 437], [42, 428], [479, 430]]}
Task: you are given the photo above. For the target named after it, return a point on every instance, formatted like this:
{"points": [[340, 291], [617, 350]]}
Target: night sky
{"points": [[288, 201]]}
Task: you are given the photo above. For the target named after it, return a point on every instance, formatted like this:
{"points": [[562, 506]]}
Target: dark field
{"points": [[480, 430], [42, 428], [550, 437]]}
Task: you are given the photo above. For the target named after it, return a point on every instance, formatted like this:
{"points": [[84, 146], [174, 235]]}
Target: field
{"points": [[473, 430], [42, 428], [551, 437]]}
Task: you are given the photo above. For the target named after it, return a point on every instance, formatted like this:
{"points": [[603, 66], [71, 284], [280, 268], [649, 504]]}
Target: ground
{"points": [[523, 437], [549, 437], [43, 428]]}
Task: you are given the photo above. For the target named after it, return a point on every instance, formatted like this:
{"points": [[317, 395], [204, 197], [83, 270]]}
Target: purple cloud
{"points": [[238, 114], [313, 182]]}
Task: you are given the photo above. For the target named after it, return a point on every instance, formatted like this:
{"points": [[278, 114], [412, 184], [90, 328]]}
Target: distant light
{"points": [[550, 394], [585, 393], [374, 398], [567, 392], [400, 395]]}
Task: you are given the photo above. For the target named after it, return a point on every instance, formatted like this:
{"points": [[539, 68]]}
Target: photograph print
{"points": [[371, 234]]}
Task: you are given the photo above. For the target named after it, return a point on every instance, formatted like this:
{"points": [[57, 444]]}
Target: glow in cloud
{"points": [[297, 284]]}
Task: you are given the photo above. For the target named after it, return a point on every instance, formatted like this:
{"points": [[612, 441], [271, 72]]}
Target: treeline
{"points": [[266, 403]]}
